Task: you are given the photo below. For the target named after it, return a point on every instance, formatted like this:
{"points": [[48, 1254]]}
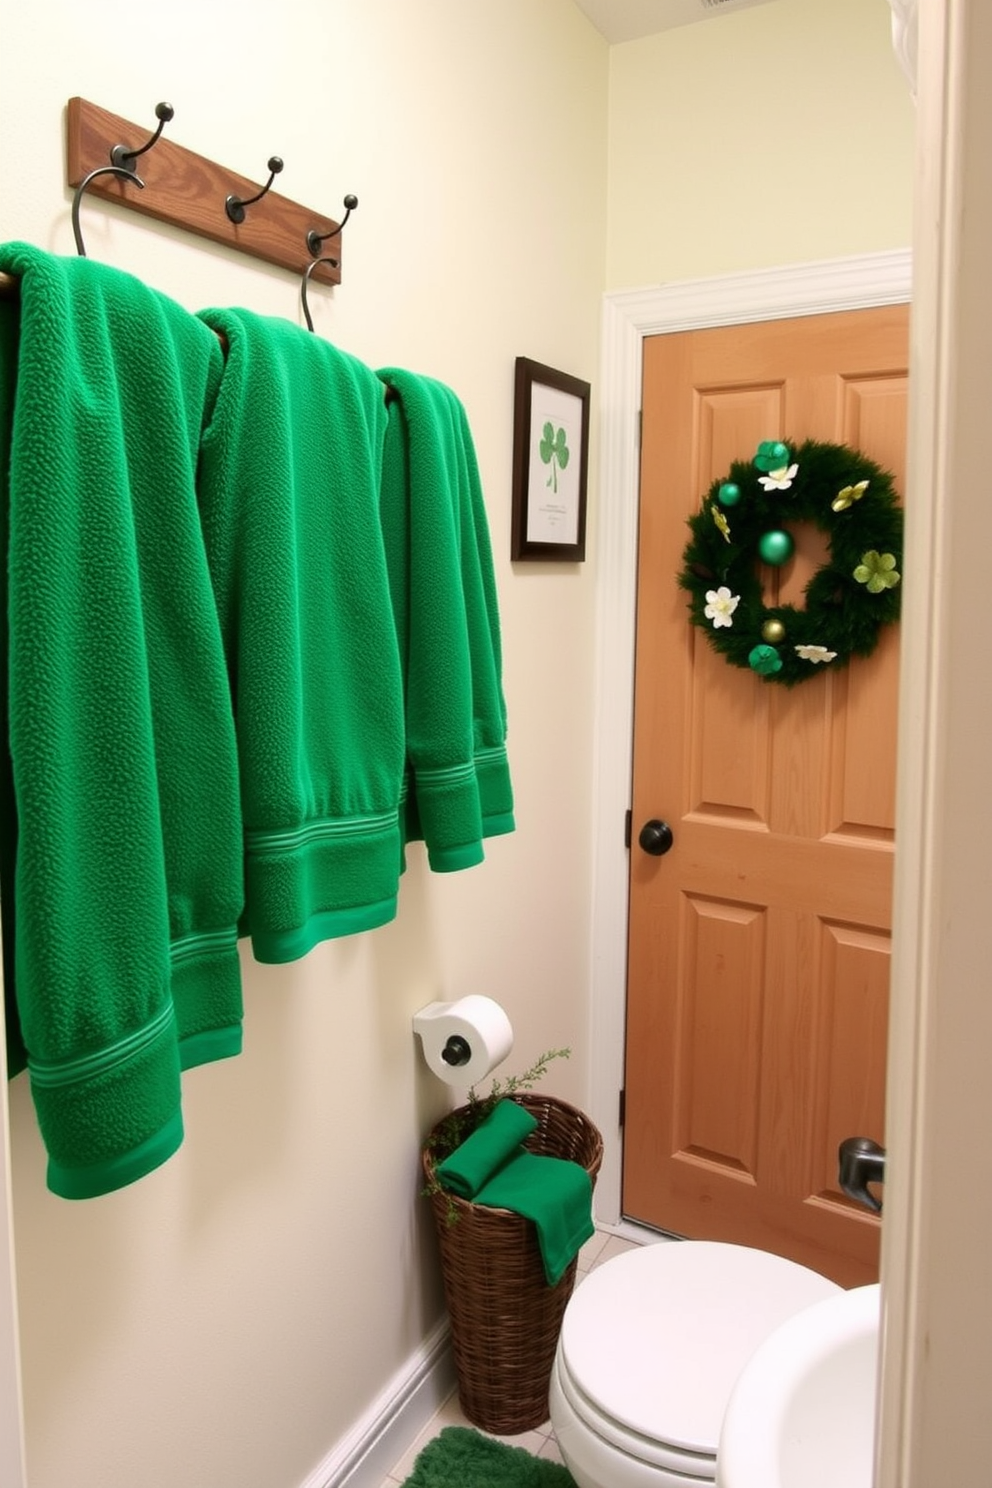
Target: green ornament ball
{"points": [[776, 547], [772, 455], [729, 493], [764, 660]]}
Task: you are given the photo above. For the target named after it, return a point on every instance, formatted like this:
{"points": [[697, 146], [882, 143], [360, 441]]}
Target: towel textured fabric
{"points": [[458, 788], [496, 1139], [492, 1167], [17, 1057], [289, 497], [553, 1192], [127, 879]]}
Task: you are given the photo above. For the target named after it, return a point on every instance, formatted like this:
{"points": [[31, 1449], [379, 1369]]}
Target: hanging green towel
{"points": [[556, 1194], [443, 592], [127, 881], [289, 495], [481, 1155], [17, 1057]]}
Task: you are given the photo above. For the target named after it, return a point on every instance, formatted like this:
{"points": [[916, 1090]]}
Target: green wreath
{"points": [[744, 522]]}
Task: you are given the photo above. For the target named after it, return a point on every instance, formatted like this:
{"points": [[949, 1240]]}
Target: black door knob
{"points": [[655, 837]]}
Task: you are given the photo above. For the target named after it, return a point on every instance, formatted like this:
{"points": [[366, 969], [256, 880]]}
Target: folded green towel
{"points": [[556, 1194], [482, 1154], [491, 1167]]}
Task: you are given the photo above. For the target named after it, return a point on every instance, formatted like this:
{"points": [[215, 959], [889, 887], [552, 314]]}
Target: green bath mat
{"points": [[462, 1458]]}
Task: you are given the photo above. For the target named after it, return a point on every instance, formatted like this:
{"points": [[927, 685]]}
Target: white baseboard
{"points": [[368, 1453]]}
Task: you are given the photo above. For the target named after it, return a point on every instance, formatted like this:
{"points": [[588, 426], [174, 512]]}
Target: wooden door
{"points": [[758, 957]]}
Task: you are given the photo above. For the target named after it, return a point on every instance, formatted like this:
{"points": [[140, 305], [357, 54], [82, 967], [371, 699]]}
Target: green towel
{"points": [[17, 1057], [128, 877], [444, 597], [483, 1153], [289, 496], [553, 1192], [491, 1167], [492, 771]]}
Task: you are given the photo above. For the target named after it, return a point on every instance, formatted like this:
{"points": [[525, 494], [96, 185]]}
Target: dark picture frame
{"points": [[550, 464]]}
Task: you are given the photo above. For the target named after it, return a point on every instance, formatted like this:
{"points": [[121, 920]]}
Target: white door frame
{"points": [[854, 283]]}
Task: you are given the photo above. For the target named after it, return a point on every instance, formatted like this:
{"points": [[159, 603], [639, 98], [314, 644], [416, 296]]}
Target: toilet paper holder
{"points": [[465, 1039]]}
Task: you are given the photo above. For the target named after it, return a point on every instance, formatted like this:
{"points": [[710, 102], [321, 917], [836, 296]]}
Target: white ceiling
{"points": [[629, 20]]}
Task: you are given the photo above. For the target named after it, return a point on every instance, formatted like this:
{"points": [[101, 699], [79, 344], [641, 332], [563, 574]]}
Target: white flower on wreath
{"points": [[815, 653], [720, 606], [779, 480]]}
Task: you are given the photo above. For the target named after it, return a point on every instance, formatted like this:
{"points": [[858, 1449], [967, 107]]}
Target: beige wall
{"points": [[780, 135], [228, 1319]]}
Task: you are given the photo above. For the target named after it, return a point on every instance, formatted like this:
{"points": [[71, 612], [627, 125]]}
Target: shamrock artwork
{"points": [[556, 432], [554, 451], [550, 460]]}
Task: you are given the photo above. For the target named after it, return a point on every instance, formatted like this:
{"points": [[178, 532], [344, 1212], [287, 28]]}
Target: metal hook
{"points": [[314, 240], [124, 156], [234, 206], [306, 280], [101, 170]]}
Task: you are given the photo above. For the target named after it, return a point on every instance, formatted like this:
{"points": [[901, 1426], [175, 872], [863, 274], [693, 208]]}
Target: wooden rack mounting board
{"points": [[189, 191]]}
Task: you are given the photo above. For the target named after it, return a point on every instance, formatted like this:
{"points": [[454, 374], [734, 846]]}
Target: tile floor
{"points": [[602, 1247]]}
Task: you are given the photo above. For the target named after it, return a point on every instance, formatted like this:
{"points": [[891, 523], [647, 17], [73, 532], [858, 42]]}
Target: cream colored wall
{"points": [[228, 1319], [778, 135]]}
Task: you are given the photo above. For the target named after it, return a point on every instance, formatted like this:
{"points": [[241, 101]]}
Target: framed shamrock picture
{"points": [[550, 464]]}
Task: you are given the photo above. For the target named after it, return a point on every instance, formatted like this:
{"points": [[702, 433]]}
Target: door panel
{"points": [[758, 955]]}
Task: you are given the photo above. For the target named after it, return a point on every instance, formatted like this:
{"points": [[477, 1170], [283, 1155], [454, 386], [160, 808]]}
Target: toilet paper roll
{"points": [[464, 1040]]}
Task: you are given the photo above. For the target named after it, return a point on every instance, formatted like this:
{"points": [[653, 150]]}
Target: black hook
{"points": [[234, 206], [314, 240], [306, 280], [101, 170], [124, 156]]}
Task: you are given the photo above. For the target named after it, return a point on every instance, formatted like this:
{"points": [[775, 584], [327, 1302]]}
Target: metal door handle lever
{"points": [[862, 1161]]}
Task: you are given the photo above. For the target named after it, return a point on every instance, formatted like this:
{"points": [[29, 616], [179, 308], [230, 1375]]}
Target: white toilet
{"points": [[651, 1346]]}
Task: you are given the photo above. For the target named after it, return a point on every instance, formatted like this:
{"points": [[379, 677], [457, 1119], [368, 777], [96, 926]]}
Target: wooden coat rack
{"points": [[189, 191]]}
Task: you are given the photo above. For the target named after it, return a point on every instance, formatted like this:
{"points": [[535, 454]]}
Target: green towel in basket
{"points": [[556, 1194], [492, 1168], [494, 1141]]}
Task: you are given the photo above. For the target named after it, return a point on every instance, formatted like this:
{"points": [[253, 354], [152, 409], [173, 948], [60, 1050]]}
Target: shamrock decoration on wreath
{"points": [[744, 522]]}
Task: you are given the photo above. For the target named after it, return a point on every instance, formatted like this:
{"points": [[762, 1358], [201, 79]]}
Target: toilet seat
{"points": [[694, 1466], [653, 1341]]}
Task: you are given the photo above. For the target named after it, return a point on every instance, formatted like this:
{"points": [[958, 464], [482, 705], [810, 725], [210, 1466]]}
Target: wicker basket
{"points": [[505, 1318]]}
